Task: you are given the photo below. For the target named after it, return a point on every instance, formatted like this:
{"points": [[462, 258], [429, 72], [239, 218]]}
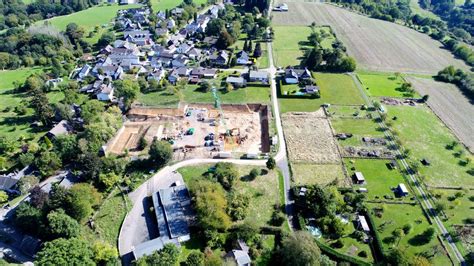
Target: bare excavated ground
{"points": [[376, 45], [451, 106], [309, 138]]}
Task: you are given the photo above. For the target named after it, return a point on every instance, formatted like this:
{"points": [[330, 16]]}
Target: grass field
{"points": [[378, 177], [88, 19], [382, 84], [191, 95], [108, 219], [417, 9], [334, 88], [291, 41], [158, 5], [358, 127], [12, 125], [458, 209], [395, 216], [321, 174], [424, 134], [348, 111], [451, 105], [375, 44]]}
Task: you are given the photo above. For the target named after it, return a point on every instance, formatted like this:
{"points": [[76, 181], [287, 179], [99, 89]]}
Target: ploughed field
{"points": [[451, 106], [376, 45]]}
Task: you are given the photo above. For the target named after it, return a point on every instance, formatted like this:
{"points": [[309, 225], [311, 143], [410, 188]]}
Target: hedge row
{"points": [[333, 253]]}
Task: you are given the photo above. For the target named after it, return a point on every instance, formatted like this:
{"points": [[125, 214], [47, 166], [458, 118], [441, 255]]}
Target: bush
{"points": [[338, 244], [254, 173], [363, 254]]}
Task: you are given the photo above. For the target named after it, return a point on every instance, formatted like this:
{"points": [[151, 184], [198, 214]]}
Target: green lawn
{"points": [[89, 18], [158, 5], [395, 216], [458, 210], [378, 177], [348, 111], [191, 95], [358, 127], [382, 84], [426, 136], [286, 45], [13, 125], [334, 88], [290, 41], [352, 246], [108, 219], [321, 174]]}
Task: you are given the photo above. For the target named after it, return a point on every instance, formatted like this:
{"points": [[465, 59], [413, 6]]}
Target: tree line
{"points": [[16, 13]]}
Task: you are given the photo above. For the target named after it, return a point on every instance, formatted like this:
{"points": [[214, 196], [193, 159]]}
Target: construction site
{"points": [[197, 131]]}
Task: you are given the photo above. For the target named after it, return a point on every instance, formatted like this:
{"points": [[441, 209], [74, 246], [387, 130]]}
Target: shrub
{"points": [[363, 254]]}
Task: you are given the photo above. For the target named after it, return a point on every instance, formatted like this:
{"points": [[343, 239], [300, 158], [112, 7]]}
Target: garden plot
{"points": [[376, 45], [390, 217], [451, 106], [309, 138]]}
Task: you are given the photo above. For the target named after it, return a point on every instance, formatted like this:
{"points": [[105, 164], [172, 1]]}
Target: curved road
{"points": [[133, 222]]}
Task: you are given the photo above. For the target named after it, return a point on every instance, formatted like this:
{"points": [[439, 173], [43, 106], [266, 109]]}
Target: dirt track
{"points": [[451, 106], [376, 45]]}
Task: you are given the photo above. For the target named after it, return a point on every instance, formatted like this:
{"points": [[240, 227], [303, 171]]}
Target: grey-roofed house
{"points": [[242, 58], [106, 92], [139, 37], [172, 211], [293, 76], [240, 257], [194, 53], [258, 76], [161, 32], [8, 181], [219, 59], [62, 128], [236, 81], [84, 72]]}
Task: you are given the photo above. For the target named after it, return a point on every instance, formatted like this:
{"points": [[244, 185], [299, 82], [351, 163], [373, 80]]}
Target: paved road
{"points": [[15, 236], [133, 223], [426, 202]]}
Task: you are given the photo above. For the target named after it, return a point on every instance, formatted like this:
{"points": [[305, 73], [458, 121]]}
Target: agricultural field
{"points": [[426, 137], [309, 138], [382, 84], [379, 178], [395, 216], [335, 89], [291, 42], [321, 174], [88, 19], [375, 44], [450, 105], [191, 95], [158, 5]]}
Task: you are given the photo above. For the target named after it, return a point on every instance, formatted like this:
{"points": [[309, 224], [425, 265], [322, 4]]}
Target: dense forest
{"points": [[460, 19], [15, 13]]}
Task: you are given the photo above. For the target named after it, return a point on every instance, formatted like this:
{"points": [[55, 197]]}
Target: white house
{"points": [[106, 93]]}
